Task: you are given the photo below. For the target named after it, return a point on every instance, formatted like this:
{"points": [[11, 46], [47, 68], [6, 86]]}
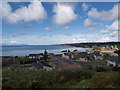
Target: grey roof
{"points": [[35, 54], [37, 65], [67, 54], [32, 54], [44, 63], [82, 54], [97, 53], [28, 67], [114, 59]]}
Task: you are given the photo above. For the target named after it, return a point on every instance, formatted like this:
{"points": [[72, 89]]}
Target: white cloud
{"points": [[104, 15], [114, 34], [92, 29], [110, 28], [47, 28], [64, 14], [34, 12], [57, 39], [13, 42], [79, 39], [66, 27], [6, 9], [114, 25], [105, 39], [89, 23], [85, 6]]}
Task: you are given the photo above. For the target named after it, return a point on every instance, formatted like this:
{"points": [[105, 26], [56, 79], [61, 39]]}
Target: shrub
{"points": [[103, 79], [100, 69], [83, 84], [79, 78], [110, 86], [116, 68]]}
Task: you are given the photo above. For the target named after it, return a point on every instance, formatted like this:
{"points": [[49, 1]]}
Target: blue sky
{"points": [[39, 23]]}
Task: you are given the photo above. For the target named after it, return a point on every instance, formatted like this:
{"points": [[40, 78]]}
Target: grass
{"points": [[77, 78]]}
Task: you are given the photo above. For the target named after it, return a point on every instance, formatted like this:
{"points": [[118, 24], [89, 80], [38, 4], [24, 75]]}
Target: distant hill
{"points": [[90, 44]]}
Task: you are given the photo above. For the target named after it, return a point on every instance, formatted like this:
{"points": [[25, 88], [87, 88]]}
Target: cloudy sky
{"points": [[41, 23]]}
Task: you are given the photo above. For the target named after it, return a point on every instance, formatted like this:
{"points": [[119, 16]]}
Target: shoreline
{"points": [[78, 51], [24, 52]]}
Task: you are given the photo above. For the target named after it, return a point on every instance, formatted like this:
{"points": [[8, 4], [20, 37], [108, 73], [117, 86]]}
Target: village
{"points": [[66, 60]]}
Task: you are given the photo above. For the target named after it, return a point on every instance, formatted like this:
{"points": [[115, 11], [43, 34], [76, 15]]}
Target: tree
{"points": [[45, 56]]}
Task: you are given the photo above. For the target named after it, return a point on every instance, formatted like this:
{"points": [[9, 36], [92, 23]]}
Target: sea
{"points": [[23, 50]]}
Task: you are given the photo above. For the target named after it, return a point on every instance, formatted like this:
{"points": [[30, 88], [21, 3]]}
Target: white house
{"points": [[82, 56], [35, 56], [98, 55], [114, 61], [67, 55]]}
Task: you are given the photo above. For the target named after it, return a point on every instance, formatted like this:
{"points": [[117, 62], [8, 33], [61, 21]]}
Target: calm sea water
{"points": [[22, 50]]}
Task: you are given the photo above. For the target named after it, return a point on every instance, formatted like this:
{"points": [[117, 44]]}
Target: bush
{"points": [[116, 68], [104, 79], [100, 69], [79, 78], [110, 86], [83, 84]]}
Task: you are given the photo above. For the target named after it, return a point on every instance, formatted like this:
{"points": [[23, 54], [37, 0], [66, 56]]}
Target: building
{"points": [[41, 65], [36, 56], [91, 57], [113, 61], [83, 56], [37, 66], [98, 55], [28, 61], [67, 55], [46, 66], [26, 67]]}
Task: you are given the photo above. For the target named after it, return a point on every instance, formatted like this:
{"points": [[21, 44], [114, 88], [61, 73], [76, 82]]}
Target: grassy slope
{"points": [[82, 78]]}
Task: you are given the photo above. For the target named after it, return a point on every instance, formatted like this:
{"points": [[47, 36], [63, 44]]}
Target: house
{"points": [[113, 61], [91, 57], [59, 55], [98, 55], [27, 61], [113, 54], [83, 56], [36, 56], [67, 55], [46, 66], [41, 65], [26, 67], [37, 66]]}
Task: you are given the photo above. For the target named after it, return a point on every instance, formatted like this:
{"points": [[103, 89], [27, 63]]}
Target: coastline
{"points": [[26, 50]]}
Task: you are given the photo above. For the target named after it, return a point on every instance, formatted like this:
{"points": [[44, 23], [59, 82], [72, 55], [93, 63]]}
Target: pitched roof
{"points": [[67, 54], [114, 59], [44, 64], [97, 53], [37, 65], [35, 54], [83, 53]]}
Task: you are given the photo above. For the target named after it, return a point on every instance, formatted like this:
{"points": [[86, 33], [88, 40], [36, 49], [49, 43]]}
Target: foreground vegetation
{"points": [[89, 77]]}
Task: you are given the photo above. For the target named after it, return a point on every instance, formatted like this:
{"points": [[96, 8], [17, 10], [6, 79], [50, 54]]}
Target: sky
{"points": [[46, 23]]}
